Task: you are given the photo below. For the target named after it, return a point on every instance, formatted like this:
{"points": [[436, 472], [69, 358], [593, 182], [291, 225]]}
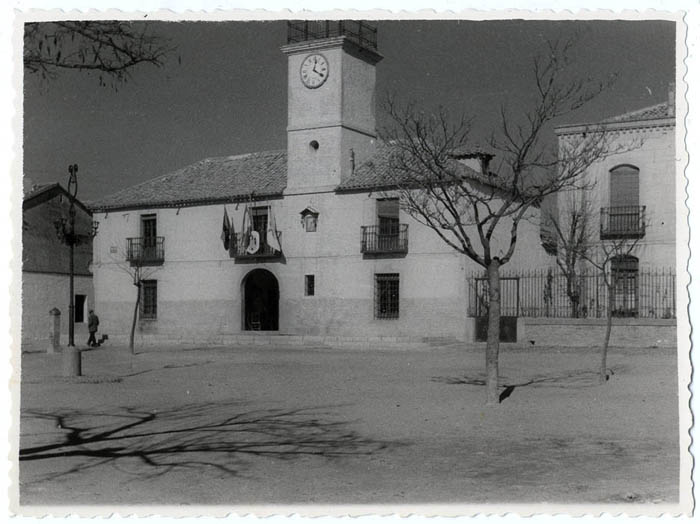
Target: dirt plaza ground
{"points": [[260, 425]]}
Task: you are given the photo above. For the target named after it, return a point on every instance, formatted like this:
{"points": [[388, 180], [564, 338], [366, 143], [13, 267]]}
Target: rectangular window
{"points": [[79, 303], [149, 299], [149, 239], [309, 285], [386, 295], [388, 215], [148, 230], [260, 218]]}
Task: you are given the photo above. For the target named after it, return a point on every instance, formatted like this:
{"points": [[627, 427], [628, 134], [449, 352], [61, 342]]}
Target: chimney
{"points": [[672, 99]]}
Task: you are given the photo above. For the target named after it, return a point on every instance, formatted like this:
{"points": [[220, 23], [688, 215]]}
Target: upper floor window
{"points": [[388, 215], [148, 228], [624, 186], [146, 249], [260, 218]]}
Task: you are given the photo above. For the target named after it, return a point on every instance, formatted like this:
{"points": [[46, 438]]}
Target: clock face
{"points": [[314, 71]]}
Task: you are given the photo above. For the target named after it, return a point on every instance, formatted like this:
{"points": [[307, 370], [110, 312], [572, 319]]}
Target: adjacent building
{"points": [[631, 197], [46, 267]]}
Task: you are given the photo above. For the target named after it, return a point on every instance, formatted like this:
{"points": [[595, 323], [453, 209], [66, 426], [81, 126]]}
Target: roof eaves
{"points": [[164, 204]]}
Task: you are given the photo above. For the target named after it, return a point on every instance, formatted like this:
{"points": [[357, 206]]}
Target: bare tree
{"points": [[604, 257], [138, 272], [573, 234], [111, 48], [479, 213]]}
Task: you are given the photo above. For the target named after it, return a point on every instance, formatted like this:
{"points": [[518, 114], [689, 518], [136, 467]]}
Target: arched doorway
{"points": [[260, 301]]}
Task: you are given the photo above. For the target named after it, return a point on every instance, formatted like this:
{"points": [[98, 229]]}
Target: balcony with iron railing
{"points": [[384, 240], [145, 251], [245, 249], [622, 222], [360, 32]]}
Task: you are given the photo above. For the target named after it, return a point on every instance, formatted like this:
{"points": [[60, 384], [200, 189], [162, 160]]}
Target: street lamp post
{"points": [[67, 234], [72, 241]]}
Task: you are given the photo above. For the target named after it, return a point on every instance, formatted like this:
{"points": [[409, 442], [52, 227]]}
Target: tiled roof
{"points": [[210, 180], [238, 177], [40, 194], [662, 110], [377, 172]]}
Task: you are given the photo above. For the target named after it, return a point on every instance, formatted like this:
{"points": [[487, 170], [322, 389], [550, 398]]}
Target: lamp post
{"points": [[65, 229]]}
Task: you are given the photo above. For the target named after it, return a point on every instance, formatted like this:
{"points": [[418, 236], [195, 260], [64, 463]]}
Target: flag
{"points": [[271, 234], [226, 230], [233, 241], [245, 229]]}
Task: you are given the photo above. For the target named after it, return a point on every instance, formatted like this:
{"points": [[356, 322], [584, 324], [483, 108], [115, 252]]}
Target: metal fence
{"points": [[547, 293]]}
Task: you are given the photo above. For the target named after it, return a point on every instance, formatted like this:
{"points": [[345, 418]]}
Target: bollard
{"points": [[72, 365], [55, 333]]}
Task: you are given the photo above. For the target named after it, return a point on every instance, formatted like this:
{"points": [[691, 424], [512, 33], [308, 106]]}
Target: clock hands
{"points": [[314, 68], [317, 65]]}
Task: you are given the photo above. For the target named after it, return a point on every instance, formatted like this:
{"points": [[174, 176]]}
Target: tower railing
{"points": [[358, 31]]}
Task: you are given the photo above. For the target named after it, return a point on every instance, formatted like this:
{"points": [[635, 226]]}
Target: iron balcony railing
{"points": [[242, 248], [358, 31], [622, 222], [377, 240], [145, 251]]}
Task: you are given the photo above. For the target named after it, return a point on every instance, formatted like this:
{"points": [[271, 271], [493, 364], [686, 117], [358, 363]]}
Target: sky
{"points": [[223, 91]]}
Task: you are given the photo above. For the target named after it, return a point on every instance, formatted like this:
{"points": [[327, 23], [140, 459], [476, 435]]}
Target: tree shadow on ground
{"points": [[220, 435], [568, 380]]}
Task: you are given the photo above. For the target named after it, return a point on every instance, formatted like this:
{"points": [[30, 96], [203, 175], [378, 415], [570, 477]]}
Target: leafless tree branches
{"points": [[111, 48], [478, 212]]}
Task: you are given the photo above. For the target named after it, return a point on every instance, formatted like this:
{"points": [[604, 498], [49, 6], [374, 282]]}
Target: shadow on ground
{"points": [[573, 379], [219, 435]]}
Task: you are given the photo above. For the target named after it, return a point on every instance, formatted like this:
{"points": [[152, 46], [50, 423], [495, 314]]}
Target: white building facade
{"points": [[334, 257], [631, 197]]}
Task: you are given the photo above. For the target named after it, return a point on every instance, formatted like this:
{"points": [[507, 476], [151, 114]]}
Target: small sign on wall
{"points": [[112, 249]]}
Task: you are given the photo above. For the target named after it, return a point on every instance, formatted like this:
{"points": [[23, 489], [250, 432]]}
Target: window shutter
{"points": [[388, 208], [624, 186]]}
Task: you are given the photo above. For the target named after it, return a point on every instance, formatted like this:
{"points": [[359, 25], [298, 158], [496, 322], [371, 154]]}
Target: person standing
{"points": [[93, 323]]}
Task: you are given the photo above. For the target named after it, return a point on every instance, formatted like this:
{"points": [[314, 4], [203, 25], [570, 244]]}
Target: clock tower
{"points": [[331, 81]]}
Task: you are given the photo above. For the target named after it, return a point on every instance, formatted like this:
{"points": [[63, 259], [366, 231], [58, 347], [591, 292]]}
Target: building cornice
{"points": [[577, 129], [348, 45]]}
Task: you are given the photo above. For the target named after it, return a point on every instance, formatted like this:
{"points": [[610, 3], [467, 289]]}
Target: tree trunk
{"points": [[494, 333], [608, 328], [133, 320]]}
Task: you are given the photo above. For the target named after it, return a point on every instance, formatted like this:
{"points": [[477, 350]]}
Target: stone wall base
{"points": [[586, 332]]}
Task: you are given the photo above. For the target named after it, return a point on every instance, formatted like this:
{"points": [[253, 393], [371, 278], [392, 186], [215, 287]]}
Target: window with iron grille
{"points": [[309, 285], [149, 300], [386, 295]]}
